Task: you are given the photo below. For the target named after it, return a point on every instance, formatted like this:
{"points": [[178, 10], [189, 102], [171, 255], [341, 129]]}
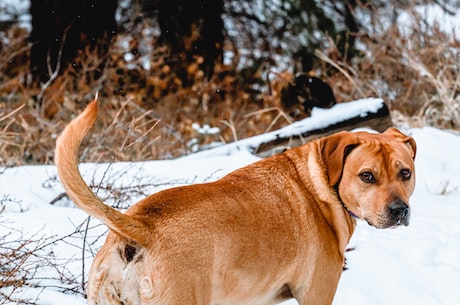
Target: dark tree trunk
{"points": [[60, 28], [193, 28]]}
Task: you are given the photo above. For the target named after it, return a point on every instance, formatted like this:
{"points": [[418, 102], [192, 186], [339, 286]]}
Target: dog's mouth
{"points": [[395, 215], [399, 222], [388, 221]]}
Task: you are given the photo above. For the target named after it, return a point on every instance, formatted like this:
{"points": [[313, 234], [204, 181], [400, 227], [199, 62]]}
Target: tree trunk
{"points": [[60, 28], [192, 28]]}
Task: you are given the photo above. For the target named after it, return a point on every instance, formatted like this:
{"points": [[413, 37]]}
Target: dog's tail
{"points": [[66, 159]]}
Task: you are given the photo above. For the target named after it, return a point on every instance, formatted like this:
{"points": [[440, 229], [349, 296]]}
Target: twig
{"points": [[231, 125], [83, 265], [325, 58], [54, 73], [12, 112]]}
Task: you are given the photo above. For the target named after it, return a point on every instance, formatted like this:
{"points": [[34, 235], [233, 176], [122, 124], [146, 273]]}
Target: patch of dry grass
{"points": [[416, 69], [143, 115]]}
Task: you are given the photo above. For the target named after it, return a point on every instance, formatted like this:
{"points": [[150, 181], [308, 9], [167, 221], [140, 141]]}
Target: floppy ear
{"points": [[334, 150], [409, 141]]}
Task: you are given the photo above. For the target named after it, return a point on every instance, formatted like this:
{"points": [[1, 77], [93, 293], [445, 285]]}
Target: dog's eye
{"points": [[367, 177], [405, 174]]}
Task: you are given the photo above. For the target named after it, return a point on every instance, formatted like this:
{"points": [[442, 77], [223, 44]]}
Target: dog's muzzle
{"points": [[399, 213]]}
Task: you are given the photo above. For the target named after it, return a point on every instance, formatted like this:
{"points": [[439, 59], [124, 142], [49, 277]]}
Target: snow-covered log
{"points": [[366, 113]]}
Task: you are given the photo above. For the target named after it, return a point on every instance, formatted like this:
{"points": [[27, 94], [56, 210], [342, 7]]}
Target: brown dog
{"points": [[273, 230]]}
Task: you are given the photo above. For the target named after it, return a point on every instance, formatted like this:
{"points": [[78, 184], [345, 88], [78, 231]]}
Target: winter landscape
{"points": [[409, 59], [418, 264]]}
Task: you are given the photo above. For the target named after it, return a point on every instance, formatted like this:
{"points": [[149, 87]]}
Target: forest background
{"points": [[175, 76]]}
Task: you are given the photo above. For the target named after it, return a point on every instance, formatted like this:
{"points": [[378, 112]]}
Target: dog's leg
{"points": [[184, 290], [322, 284], [174, 283], [319, 293]]}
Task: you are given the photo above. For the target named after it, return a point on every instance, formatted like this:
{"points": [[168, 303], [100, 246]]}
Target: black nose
{"points": [[400, 212]]}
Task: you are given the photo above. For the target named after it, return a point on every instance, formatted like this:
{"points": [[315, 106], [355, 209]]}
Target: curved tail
{"points": [[66, 160]]}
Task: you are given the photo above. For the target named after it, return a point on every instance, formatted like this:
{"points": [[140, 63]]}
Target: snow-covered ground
{"points": [[418, 264]]}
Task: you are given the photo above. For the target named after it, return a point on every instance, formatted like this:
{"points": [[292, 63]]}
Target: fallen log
{"points": [[368, 113]]}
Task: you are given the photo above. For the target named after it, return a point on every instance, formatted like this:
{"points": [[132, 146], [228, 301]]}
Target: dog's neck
{"points": [[349, 212], [353, 215], [314, 173]]}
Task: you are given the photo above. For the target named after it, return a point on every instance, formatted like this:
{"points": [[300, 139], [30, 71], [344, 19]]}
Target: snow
{"points": [[15, 10], [433, 16], [418, 264]]}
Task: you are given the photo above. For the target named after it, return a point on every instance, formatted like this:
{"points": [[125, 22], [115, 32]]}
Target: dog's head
{"points": [[373, 174]]}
